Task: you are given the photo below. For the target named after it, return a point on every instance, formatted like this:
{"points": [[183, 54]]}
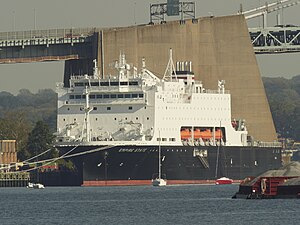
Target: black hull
{"points": [[178, 162]]}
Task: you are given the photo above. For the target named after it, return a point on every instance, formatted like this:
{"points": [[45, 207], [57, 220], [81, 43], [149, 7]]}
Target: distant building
{"points": [[8, 153]]}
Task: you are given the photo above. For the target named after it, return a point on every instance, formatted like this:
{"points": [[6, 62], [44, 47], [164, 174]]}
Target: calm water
{"points": [[195, 204]]}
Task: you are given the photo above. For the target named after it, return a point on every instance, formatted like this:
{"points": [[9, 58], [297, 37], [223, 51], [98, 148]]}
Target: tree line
{"points": [[284, 100], [31, 118]]}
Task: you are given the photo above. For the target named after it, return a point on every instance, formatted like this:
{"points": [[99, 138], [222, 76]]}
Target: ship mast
{"points": [[170, 68], [159, 158], [87, 111], [218, 152]]}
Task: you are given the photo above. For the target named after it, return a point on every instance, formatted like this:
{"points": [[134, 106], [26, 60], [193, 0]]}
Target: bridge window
{"points": [[78, 96], [120, 96], [141, 95], [94, 108], [79, 84], [72, 96], [104, 84], [133, 83], [105, 96], [98, 96], [134, 95], [94, 84], [130, 107], [108, 108], [127, 96], [113, 96], [92, 96], [123, 83], [114, 83]]}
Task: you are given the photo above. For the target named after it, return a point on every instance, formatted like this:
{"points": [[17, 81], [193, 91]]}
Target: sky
{"points": [[23, 15]]}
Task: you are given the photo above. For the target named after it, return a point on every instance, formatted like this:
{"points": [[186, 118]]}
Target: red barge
{"points": [[282, 183]]}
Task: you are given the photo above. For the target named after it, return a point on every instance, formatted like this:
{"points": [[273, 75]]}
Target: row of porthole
{"points": [[191, 108], [181, 118], [169, 150], [211, 98], [165, 139], [96, 108], [114, 118]]}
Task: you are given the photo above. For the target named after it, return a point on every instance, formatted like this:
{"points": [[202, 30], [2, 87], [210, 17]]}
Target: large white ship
{"points": [[114, 126]]}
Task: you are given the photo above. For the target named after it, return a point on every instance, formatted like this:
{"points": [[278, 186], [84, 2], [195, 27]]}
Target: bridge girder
{"points": [[274, 40]]}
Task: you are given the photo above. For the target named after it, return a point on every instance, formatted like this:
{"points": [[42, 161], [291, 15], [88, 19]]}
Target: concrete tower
{"points": [[219, 47]]}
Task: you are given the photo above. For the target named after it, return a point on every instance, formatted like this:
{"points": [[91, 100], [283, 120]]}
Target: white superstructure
{"points": [[131, 108]]}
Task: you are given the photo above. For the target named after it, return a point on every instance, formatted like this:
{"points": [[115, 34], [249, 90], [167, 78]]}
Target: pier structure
{"points": [[14, 179]]}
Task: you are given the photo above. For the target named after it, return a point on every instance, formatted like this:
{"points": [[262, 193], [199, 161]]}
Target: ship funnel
{"points": [[184, 66], [177, 66]]}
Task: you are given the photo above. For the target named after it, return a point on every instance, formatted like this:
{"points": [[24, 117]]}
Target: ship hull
{"points": [[137, 165]]}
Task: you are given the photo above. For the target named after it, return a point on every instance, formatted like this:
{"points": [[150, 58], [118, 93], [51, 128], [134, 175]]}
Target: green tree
{"points": [[15, 126], [41, 139], [283, 95]]}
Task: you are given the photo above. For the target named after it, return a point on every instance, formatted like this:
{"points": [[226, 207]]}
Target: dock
{"points": [[14, 179]]}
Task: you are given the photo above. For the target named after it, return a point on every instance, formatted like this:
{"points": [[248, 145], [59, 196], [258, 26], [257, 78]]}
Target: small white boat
{"points": [[38, 186], [35, 186], [159, 181], [30, 185], [224, 180]]}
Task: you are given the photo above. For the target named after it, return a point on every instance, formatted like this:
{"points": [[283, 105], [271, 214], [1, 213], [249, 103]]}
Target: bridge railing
{"points": [[51, 33]]}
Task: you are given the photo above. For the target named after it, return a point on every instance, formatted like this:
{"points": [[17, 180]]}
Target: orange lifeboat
{"points": [[206, 134], [185, 134], [218, 134], [197, 133]]}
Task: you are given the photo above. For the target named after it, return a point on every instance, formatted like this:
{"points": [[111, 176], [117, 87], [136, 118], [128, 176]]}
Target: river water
{"points": [[187, 204]]}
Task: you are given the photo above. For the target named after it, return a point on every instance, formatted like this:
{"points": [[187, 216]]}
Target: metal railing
{"points": [[51, 33]]}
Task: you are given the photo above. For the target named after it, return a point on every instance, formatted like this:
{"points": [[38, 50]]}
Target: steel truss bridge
{"points": [[277, 39], [68, 44], [46, 45]]}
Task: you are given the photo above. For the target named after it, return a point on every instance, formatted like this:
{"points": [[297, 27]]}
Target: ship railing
{"points": [[107, 89], [108, 101], [216, 92], [78, 77], [274, 144], [114, 88]]}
